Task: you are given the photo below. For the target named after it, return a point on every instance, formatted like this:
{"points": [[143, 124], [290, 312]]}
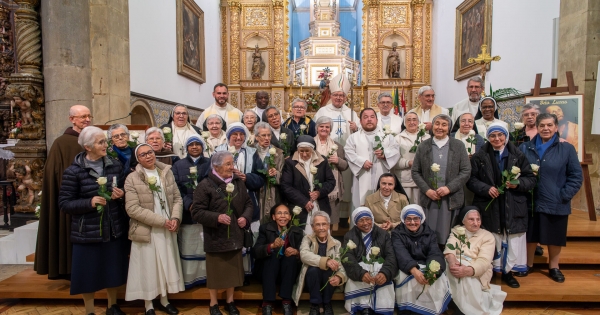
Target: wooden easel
{"points": [[571, 89]]}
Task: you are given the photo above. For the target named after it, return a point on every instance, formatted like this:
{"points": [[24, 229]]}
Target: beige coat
{"points": [[392, 213], [139, 202], [308, 254], [483, 247]]}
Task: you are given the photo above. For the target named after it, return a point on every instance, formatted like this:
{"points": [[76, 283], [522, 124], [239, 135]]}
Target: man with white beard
{"points": [[370, 153], [471, 103]]}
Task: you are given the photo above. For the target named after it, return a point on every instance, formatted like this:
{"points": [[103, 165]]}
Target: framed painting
{"points": [[569, 111], [190, 41], [473, 29]]}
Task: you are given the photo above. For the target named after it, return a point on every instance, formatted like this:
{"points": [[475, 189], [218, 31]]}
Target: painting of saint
{"points": [[473, 31], [191, 55]]}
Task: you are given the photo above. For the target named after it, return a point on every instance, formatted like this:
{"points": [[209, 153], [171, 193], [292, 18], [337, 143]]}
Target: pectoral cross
{"points": [[483, 59], [441, 156]]}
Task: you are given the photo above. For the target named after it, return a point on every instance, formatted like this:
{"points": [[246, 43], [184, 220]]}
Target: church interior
{"points": [[133, 61]]}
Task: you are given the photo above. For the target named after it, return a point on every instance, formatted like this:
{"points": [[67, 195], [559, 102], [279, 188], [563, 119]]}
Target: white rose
{"points": [[283, 136], [535, 167], [302, 127], [107, 135], [461, 230], [193, 170], [297, 210], [134, 135], [37, 208], [151, 180], [375, 250], [272, 151], [471, 132], [515, 170], [435, 167], [231, 150], [422, 126], [434, 266], [40, 193], [101, 180], [387, 131], [313, 170], [166, 130], [386, 127], [229, 188], [205, 134], [334, 147], [519, 126], [351, 245]]}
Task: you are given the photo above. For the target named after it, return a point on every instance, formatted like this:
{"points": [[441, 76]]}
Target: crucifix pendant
{"points": [[181, 150], [441, 156]]}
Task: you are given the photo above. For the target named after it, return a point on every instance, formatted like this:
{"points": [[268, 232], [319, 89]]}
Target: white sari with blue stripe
{"points": [[434, 300], [358, 294]]}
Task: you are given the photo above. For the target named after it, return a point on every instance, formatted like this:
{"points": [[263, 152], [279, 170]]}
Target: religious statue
{"points": [[324, 86], [26, 101], [393, 62], [28, 184], [258, 65]]}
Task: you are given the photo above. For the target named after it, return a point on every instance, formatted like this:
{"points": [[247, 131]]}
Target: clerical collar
{"points": [[441, 142], [337, 109]]}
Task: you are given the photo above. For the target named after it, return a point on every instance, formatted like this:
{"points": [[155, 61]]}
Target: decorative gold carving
{"points": [[277, 100], [374, 96], [279, 3], [234, 99], [249, 100], [29, 174], [427, 52], [394, 15], [234, 3], [224, 47], [29, 40], [7, 53], [256, 17], [234, 43], [374, 65], [368, 3], [417, 73], [27, 101], [278, 44]]}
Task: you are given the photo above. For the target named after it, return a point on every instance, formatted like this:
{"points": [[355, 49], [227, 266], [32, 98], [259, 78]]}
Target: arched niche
{"points": [[387, 42], [263, 45], [141, 113]]}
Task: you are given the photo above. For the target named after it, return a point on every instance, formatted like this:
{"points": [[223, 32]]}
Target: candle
{"points": [[114, 183], [354, 52], [294, 53]]}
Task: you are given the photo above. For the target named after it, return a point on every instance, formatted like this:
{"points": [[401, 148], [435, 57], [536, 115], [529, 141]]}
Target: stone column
{"points": [[579, 51]]}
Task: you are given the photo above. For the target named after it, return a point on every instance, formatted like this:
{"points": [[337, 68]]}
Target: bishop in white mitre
{"points": [[344, 119]]}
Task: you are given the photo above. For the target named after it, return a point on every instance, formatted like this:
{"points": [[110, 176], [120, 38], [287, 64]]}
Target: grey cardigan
{"points": [[457, 172]]}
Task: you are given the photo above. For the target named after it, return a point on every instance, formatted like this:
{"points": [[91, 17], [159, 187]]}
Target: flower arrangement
{"points": [[379, 141], [420, 135], [152, 182], [511, 177]]}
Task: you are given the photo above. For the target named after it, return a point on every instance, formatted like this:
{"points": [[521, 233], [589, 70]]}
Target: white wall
{"points": [[153, 52], [521, 36]]}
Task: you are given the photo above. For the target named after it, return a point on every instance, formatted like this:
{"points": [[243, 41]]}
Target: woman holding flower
{"points": [[501, 179], [213, 133], [100, 245], [122, 148], [179, 128], [470, 267], [336, 156], [465, 130], [156, 138], [374, 244], [559, 179], [417, 253], [272, 160], [412, 133], [307, 179], [487, 114], [277, 253], [250, 119], [223, 222], [154, 204], [441, 169], [188, 173], [322, 270]]}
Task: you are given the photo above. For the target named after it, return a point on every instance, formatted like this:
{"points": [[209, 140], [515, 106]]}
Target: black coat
{"points": [[75, 198], [295, 188], [291, 140], [181, 171], [268, 232], [510, 210], [379, 238], [412, 250]]}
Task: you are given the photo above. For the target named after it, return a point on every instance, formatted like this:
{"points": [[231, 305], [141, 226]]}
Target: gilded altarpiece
{"points": [[262, 25]]}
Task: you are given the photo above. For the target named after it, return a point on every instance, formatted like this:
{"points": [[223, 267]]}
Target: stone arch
{"points": [[141, 113]]}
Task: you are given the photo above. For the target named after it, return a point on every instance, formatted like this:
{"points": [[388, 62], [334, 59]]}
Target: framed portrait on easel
{"points": [[473, 29], [569, 111], [190, 41]]}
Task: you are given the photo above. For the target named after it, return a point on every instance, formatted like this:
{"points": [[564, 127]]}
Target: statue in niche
{"points": [[26, 101], [258, 65], [393, 62], [28, 184]]}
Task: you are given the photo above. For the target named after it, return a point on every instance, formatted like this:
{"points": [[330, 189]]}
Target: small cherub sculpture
{"points": [[25, 184]]}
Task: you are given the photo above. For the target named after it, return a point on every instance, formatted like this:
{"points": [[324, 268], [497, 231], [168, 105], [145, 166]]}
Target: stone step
{"points": [[8, 250]]}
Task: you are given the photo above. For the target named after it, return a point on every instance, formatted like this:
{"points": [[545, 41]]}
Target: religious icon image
{"points": [[393, 62], [258, 65], [473, 29], [191, 55], [190, 40]]}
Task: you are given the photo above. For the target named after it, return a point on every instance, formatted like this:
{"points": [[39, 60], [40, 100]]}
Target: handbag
{"points": [[248, 235]]}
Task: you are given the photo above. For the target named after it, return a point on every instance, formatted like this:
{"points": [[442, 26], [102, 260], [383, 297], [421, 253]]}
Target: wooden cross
{"points": [[483, 59]]}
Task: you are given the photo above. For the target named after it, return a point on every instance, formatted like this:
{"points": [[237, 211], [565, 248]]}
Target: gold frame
{"points": [[464, 71], [182, 68]]}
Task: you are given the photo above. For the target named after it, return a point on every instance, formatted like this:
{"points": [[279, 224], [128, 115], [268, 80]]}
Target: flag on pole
{"points": [[403, 102], [395, 101]]}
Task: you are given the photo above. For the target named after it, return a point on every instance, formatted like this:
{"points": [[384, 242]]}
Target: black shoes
{"points": [[368, 311], [314, 309], [150, 312], [539, 251], [556, 275], [288, 309], [327, 309], [114, 310], [267, 310], [510, 280], [523, 273], [169, 309], [214, 310], [231, 309]]}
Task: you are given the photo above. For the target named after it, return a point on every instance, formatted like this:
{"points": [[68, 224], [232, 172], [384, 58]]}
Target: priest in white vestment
{"points": [[386, 117], [369, 157], [471, 103], [487, 115], [344, 119], [228, 112], [427, 109]]}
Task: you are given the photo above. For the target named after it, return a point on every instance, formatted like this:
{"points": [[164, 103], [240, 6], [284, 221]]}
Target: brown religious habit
{"points": [[53, 250]]}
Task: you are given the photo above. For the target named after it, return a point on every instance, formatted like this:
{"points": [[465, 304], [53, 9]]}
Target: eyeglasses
{"points": [[298, 107], [145, 154], [119, 136], [415, 219], [180, 114], [101, 142], [497, 136], [282, 213], [273, 115], [385, 103], [339, 95], [84, 117]]}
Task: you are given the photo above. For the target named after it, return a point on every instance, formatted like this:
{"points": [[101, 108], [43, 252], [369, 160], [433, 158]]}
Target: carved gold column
{"points": [[279, 56], [224, 46], [234, 43], [29, 37], [427, 50], [417, 34], [372, 19]]}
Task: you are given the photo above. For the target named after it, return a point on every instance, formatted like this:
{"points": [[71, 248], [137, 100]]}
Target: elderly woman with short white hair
{"points": [[417, 252], [470, 267], [121, 148], [250, 119], [214, 133], [370, 288], [156, 139]]}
